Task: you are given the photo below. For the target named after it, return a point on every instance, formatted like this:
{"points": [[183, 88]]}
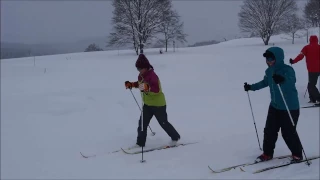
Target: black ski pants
{"points": [[312, 86], [277, 119], [161, 115]]}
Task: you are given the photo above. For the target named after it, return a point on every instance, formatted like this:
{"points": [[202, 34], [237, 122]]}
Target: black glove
{"points": [[247, 87], [291, 61], [278, 78]]}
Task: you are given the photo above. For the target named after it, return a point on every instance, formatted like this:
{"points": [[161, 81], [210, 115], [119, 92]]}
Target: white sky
{"points": [[67, 21]]}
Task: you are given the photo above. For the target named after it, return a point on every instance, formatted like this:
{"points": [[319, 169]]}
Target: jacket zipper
{"points": [[273, 93], [142, 81]]}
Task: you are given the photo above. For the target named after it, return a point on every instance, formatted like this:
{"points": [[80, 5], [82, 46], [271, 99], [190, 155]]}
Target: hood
{"points": [[313, 39], [143, 62], [278, 54]]}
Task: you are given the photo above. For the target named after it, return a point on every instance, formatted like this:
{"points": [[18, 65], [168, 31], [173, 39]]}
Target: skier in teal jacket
{"points": [[278, 117], [280, 70]]}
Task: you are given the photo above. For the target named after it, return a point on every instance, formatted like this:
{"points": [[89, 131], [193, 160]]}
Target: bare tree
{"points": [[123, 37], [312, 12], [306, 26], [122, 20], [138, 19], [292, 26], [172, 29], [265, 17]]}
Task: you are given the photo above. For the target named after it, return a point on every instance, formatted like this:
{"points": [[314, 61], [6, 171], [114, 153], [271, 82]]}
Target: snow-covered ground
{"points": [[77, 102]]}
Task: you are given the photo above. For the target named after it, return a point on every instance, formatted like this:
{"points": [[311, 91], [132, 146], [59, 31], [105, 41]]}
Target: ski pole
{"points": [[306, 89], [152, 133], [253, 120], [294, 126], [305, 93], [142, 160]]}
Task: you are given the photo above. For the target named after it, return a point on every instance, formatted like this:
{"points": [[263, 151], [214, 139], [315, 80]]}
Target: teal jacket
{"points": [[288, 86]]}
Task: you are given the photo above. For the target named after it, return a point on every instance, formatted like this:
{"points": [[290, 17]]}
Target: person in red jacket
{"points": [[312, 54]]}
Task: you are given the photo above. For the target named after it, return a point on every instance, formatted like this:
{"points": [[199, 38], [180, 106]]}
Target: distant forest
{"points": [[18, 50], [15, 50], [204, 43]]}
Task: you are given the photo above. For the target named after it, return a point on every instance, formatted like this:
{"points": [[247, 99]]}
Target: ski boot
{"points": [[296, 159], [263, 157]]}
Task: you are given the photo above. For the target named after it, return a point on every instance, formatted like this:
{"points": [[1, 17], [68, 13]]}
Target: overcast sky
{"points": [[68, 21]]}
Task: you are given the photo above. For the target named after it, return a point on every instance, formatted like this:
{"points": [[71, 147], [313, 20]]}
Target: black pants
{"points": [[280, 119], [312, 86], [161, 115]]}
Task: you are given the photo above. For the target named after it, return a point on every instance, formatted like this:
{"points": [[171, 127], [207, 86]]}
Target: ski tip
{"points": [[126, 152], [210, 168], [213, 171], [83, 155], [122, 149], [87, 156]]}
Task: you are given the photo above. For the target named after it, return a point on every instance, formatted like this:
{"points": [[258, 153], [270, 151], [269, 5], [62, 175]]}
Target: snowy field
{"points": [[72, 103]]}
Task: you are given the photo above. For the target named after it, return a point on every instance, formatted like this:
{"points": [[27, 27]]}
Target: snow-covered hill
{"points": [[77, 102]]}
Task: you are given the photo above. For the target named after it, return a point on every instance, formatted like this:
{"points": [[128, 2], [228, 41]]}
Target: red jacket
{"points": [[312, 54]]}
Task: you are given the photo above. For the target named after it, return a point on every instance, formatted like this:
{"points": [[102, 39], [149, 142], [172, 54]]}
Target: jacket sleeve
{"points": [[259, 85], [153, 82], [290, 77], [135, 84], [302, 54]]}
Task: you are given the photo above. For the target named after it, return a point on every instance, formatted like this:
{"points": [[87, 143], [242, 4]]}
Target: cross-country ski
{"points": [[312, 106], [136, 151], [283, 165], [243, 165]]}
